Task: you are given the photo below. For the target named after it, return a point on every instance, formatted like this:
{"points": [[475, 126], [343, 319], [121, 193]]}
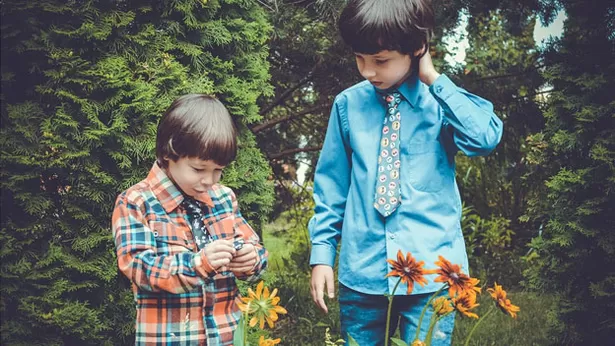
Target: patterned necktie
{"points": [[195, 215], [388, 190]]}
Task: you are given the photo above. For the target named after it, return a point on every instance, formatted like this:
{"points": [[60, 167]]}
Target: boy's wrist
{"points": [[431, 77]]}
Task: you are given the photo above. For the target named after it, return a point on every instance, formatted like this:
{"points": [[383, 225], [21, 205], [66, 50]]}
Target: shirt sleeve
{"points": [[137, 257], [331, 184], [475, 128], [242, 227]]}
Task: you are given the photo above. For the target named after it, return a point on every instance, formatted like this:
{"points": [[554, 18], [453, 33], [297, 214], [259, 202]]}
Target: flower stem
{"points": [[432, 324], [418, 327], [476, 325], [245, 325], [386, 331]]}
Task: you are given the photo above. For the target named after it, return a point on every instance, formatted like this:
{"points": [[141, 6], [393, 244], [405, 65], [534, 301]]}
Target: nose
{"points": [[208, 179], [367, 72]]}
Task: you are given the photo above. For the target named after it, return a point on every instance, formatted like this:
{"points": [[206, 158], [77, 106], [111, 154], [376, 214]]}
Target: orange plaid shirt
{"points": [[180, 298]]}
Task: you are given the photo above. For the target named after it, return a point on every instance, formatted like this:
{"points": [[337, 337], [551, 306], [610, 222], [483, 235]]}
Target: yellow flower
{"points": [[458, 282], [442, 306], [262, 305], [418, 342], [408, 269], [268, 342], [499, 295], [465, 303]]}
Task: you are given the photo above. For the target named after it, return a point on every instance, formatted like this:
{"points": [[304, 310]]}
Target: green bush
{"points": [[83, 86]]}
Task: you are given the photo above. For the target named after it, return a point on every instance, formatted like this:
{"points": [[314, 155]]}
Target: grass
{"points": [[304, 324], [278, 245], [530, 327]]}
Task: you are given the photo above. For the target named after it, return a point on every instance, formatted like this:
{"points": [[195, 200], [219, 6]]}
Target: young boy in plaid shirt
{"points": [[179, 235]]}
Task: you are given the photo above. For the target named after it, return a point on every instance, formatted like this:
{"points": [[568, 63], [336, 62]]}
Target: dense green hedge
{"points": [[83, 86]]}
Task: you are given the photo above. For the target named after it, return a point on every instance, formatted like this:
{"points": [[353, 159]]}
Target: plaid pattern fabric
{"points": [[180, 298]]}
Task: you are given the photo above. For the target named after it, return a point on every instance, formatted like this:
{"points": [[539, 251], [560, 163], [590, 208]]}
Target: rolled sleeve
{"points": [[475, 128]]}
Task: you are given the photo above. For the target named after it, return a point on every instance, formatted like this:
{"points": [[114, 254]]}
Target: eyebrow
{"points": [[204, 166], [375, 56]]}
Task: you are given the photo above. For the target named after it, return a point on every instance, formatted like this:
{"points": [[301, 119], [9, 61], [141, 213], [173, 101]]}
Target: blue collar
{"points": [[409, 89]]}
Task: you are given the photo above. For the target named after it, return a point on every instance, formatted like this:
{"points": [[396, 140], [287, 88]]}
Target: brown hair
{"points": [[370, 26], [196, 125]]}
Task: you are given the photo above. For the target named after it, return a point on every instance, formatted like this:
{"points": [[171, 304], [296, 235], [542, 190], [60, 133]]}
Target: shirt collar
{"points": [[165, 190], [409, 89]]}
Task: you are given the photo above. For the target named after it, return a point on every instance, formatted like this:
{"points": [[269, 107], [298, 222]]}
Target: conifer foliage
{"points": [[83, 86], [575, 166]]}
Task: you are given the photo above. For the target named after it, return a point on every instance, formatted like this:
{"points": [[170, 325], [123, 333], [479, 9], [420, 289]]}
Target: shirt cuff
{"points": [[443, 87], [322, 254], [202, 266]]}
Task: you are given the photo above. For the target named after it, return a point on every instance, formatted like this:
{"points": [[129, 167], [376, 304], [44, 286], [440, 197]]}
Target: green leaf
{"points": [[352, 341], [238, 335], [398, 342]]}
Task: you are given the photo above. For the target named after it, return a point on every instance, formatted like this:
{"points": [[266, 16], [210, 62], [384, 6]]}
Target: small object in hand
{"points": [[238, 243]]}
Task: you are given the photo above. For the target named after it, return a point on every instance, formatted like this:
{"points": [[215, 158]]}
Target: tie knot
{"points": [[392, 98], [192, 206]]}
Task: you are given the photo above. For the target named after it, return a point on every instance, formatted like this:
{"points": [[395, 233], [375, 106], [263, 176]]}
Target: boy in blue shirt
{"points": [[385, 179]]}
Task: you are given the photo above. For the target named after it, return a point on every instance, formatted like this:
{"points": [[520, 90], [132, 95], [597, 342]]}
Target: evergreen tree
{"points": [[83, 86], [574, 157], [502, 66]]}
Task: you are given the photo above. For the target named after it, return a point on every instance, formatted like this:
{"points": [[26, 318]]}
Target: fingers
{"points": [[322, 275], [330, 285], [246, 254], [219, 253], [240, 268], [245, 259]]}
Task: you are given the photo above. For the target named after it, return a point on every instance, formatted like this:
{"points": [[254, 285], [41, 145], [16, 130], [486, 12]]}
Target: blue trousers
{"points": [[363, 316]]}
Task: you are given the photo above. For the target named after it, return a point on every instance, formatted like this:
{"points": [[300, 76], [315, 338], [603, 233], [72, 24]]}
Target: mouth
{"points": [[376, 83]]}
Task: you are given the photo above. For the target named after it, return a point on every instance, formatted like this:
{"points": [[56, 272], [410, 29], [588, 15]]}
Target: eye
{"points": [[198, 170], [381, 61]]}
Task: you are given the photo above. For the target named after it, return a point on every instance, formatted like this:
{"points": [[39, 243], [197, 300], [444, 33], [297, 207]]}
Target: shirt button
{"points": [[391, 236], [438, 89]]}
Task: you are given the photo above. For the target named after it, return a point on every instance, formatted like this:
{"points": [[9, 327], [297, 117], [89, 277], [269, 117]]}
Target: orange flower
{"points": [[408, 269], [465, 303], [457, 281], [499, 295], [442, 306], [262, 305], [268, 342]]}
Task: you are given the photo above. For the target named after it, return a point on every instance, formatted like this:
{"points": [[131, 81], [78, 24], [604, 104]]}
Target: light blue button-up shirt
{"points": [[436, 122]]}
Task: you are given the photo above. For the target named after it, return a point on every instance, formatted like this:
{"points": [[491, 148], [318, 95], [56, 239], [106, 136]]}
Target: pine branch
{"points": [[293, 151], [507, 75], [290, 90], [273, 122]]}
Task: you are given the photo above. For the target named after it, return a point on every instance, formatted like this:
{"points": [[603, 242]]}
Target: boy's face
{"points": [[385, 69], [193, 175]]}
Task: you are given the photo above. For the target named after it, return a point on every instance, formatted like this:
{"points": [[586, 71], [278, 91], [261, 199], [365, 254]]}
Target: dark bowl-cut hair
{"points": [[370, 26], [196, 126]]}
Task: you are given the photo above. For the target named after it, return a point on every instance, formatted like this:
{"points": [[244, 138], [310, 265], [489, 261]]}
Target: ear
{"points": [[421, 51]]}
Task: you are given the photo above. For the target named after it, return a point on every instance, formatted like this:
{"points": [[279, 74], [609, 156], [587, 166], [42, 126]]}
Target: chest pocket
{"points": [[223, 228], [426, 166], [170, 238]]}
